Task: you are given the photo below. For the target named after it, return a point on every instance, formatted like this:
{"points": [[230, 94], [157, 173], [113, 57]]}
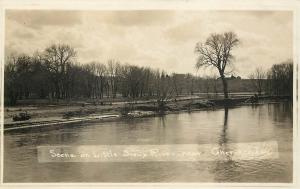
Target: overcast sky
{"points": [[158, 39]]}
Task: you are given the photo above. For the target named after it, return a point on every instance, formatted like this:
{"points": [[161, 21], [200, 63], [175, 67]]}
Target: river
{"points": [[243, 124]]}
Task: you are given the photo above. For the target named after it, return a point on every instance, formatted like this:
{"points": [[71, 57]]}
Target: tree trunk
{"points": [[225, 86]]}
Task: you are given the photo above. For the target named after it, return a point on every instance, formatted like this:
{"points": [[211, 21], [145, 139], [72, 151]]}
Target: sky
{"points": [[163, 39]]}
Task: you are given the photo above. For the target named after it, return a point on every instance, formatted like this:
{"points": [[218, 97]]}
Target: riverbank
{"points": [[48, 115]]}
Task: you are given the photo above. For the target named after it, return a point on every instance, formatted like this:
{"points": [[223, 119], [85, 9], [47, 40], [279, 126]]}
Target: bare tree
{"points": [[10, 82], [113, 70], [100, 73], [215, 85], [190, 83], [166, 90], [57, 58], [178, 83], [280, 79], [207, 85], [216, 52], [257, 79]]}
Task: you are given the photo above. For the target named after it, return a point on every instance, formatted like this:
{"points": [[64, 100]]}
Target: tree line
{"points": [[55, 74], [278, 80]]}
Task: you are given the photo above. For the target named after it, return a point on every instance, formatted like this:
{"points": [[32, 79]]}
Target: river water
{"points": [[244, 124]]}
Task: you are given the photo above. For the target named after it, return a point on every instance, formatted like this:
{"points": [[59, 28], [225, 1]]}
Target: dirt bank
{"points": [[61, 113]]}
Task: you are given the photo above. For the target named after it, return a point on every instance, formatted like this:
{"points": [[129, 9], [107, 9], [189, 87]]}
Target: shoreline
{"points": [[139, 110]]}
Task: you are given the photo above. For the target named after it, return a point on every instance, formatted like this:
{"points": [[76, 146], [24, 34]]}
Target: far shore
{"points": [[48, 114]]}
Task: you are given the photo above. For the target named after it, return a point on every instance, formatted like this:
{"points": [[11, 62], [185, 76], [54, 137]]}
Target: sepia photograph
{"points": [[148, 96]]}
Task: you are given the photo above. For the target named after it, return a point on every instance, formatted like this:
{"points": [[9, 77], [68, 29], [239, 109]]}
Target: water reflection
{"points": [[225, 168], [162, 121], [223, 138], [281, 111]]}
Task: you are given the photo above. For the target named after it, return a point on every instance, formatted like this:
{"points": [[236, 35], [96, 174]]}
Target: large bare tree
{"points": [[217, 52]]}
